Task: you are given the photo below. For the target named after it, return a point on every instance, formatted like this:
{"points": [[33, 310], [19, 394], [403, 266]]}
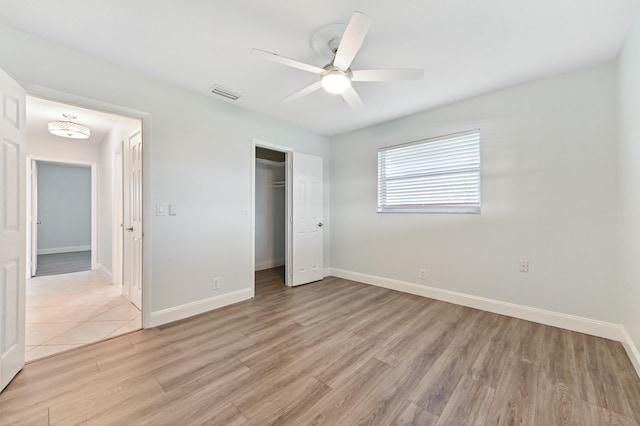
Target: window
{"points": [[433, 175]]}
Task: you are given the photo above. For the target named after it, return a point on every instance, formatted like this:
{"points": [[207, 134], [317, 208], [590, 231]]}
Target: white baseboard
{"points": [[268, 264], [632, 349], [56, 250], [542, 316], [198, 307], [104, 272]]}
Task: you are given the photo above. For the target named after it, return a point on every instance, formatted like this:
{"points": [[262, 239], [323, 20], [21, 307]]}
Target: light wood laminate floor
{"points": [[334, 352]]}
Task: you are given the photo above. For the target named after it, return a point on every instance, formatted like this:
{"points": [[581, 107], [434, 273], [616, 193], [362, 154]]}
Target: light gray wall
{"points": [[548, 196], [200, 152], [64, 208], [270, 215], [629, 183]]}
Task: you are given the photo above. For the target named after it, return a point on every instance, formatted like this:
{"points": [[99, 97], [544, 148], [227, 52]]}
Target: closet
{"points": [[270, 209]]}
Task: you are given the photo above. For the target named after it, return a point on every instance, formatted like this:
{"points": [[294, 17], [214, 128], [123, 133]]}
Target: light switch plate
{"points": [[172, 209], [161, 209]]}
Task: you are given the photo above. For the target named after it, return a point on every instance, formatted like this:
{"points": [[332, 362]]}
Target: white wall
{"points": [[270, 215], [198, 156], [108, 194], [548, 177], [64, 208], [62, 149], [629, 183]]}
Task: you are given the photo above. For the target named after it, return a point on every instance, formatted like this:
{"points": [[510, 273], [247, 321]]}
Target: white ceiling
{"points": [[466, 47]]}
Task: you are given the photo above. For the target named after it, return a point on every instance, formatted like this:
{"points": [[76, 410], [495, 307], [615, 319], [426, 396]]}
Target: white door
{"points": [[306, 219], [34, 218], [13, 228], [133, 220]]}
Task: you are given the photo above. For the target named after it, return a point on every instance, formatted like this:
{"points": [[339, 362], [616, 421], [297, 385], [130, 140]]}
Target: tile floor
{"points": [[70, 310]]}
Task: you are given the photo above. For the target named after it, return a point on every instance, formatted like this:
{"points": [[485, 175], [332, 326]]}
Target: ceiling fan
{"points": [[336, 77]]}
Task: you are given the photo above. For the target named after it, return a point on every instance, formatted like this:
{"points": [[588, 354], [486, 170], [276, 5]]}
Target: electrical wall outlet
{"points": [[523, 266], [216, 283], [422, 273]]}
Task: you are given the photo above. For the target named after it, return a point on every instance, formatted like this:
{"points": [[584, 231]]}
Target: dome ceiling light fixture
{"points": [[68, 128]]}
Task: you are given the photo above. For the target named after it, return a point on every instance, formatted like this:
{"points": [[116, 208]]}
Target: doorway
{"points": [[63, 217], [75, 308], [304, 209], [270, 212]]}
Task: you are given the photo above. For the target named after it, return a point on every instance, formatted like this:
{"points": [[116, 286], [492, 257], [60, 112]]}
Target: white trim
{"points": [[270, 263], [56, 250], [631, 348], [271, 146], [542, 316], [94, 215], [105, 272], [198, 307]]}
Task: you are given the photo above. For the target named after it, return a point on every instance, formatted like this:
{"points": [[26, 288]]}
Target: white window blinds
{"points": [[433, 175]]}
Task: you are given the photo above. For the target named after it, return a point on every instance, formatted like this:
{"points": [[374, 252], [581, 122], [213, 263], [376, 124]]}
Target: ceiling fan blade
{"points": [[352, 98], [351, 40], [387, 75], [300, 93], [287, 61]]}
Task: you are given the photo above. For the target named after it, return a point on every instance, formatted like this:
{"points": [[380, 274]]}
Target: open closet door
{"points": [[307, 223], [13, 228]]}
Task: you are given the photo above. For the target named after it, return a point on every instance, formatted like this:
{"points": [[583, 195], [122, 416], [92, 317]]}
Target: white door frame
{"points": [[68, 98], [32, 218], [288, 252], [94, 203]]}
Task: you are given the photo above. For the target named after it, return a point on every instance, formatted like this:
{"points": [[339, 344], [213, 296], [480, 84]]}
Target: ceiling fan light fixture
{"points": [[69, 129], [335, 81]]}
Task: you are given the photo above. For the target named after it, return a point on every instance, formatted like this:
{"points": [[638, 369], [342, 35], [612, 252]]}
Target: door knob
{"points": [[320, 225], [130, 229]]}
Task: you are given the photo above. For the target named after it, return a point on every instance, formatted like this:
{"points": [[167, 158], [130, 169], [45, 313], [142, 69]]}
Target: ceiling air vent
{"points": [[221, 91]]}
